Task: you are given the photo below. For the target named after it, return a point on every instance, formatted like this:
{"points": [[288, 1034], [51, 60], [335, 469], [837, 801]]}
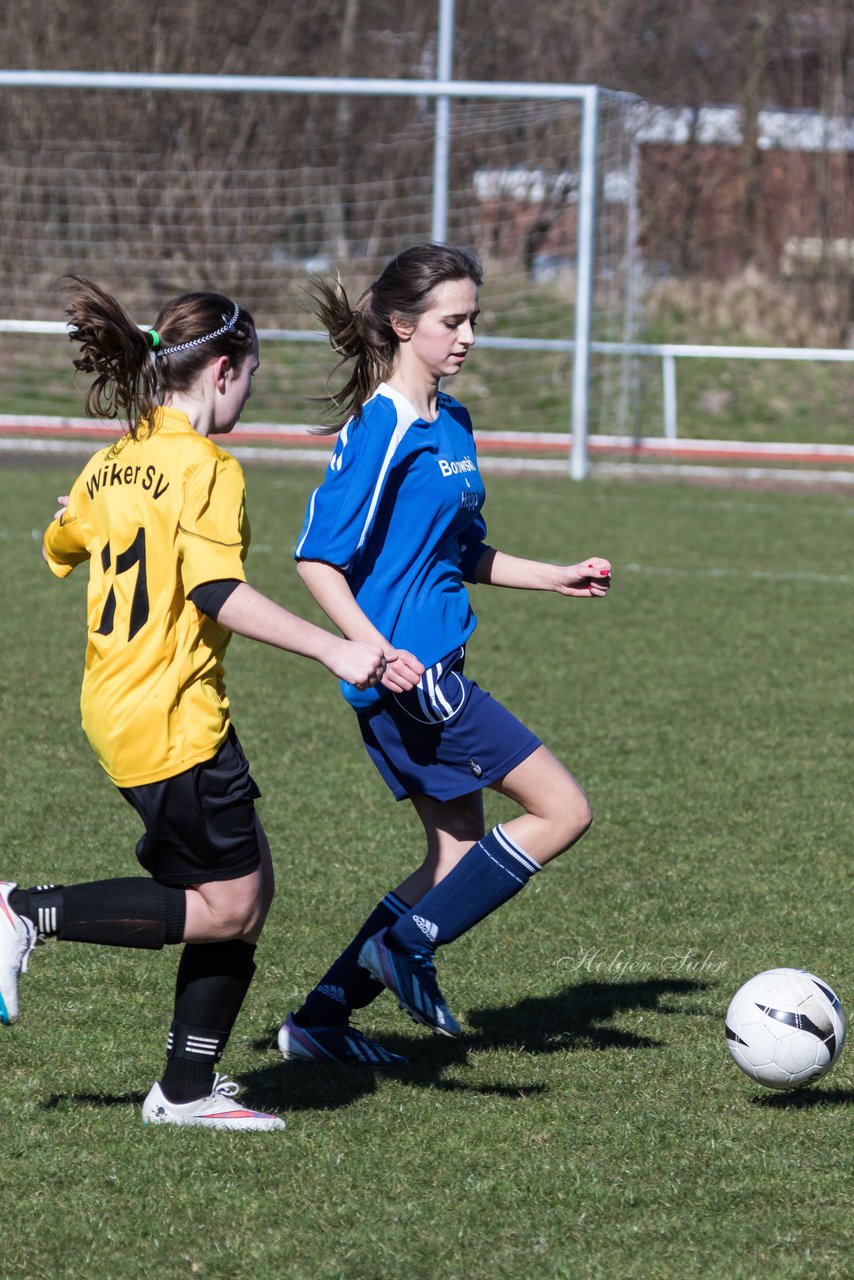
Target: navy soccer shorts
{"points": [[446, 737]]}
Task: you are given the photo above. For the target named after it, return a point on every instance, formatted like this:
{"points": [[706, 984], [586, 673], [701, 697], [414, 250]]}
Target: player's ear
{"points": [[403, 329], [220, 371]]}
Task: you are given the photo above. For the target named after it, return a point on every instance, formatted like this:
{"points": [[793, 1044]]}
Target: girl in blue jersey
{"points": [[390, 539]]}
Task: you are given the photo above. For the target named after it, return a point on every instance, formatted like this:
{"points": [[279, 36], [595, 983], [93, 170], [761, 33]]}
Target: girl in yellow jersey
{"points": [[160, 518]]}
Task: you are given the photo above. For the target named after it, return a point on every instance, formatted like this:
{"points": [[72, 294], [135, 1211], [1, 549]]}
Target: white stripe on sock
{"points": [[513, 849], [202, 1045], [47, 921]]}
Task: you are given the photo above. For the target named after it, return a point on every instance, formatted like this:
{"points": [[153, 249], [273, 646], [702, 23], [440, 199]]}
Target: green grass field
{"points": [[590, 1124]]}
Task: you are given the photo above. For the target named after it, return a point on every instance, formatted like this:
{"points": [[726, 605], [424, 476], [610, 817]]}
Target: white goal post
{"points": [[538, 179]]}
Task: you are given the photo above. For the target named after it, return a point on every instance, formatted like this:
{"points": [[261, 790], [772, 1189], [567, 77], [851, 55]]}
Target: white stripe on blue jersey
{"points": [[308, 519], [406, 415]]}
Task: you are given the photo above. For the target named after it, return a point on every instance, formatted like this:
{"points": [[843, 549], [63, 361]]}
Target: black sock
{"points": [[42, 905], [212, 981], [129, 912]]}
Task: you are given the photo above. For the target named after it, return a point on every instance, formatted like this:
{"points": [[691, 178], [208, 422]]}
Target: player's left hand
{"points": [[588, 578], [403, 670], [63, 503]]}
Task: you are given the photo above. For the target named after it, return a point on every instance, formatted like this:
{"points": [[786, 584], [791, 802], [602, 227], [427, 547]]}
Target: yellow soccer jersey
{"points": [[155, 518]]}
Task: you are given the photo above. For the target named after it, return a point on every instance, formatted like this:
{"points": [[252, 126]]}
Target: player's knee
{"points": [[241, 919], [583, 817], [574, 817]]}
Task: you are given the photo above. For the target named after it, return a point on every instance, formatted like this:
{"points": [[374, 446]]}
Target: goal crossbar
{"points": [[379, 87], [443, 91]]}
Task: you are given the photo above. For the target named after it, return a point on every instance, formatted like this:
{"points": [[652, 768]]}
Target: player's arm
{"points": [[331, 590], [210, 546], [64, 544], [591, 577], [242, 609]]}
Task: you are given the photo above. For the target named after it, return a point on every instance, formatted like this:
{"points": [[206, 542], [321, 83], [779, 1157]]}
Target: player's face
{"points": [[441, 339], [238, 389]]}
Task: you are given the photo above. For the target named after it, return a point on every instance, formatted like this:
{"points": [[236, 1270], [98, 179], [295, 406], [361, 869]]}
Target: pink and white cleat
{"points": [[218, 1111]]}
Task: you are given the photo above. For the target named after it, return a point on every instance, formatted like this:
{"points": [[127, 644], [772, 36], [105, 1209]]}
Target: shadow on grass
{"points": [[795, 1099], [59, 1101], [575, 1018]]}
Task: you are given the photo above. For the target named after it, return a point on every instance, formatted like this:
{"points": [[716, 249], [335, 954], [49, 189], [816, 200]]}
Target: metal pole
{"points": [[629, 398], [584, 285], [383, 88], [442, 141], [668, 370]]}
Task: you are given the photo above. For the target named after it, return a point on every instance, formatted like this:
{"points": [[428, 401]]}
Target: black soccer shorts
{"points": [[200, 825]]}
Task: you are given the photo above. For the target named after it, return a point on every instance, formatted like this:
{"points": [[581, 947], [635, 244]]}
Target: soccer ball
{"points": [[785, 1028]]}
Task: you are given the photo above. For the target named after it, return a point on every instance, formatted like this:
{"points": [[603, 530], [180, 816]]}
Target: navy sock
{"points": [[490, 873], [129, 912], [346, 986], [212, 981]]}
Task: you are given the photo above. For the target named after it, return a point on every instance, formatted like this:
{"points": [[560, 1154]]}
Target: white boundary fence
{"points": [[667, 352], [444, 90]]}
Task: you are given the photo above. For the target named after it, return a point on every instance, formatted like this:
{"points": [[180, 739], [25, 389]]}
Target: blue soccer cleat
{"points": [[411, 976], [333, 1044]]}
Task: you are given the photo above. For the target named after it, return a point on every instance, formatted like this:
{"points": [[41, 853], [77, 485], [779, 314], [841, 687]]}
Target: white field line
{"points": [[63, 448], [683, 471], [251, 453], [21, 535], [648, 570], [755, 575]]}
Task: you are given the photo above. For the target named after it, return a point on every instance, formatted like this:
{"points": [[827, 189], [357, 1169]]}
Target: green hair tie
{"points": [[155, 338]]}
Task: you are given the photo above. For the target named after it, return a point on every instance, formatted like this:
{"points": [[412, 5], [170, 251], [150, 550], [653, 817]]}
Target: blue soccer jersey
{"points": [[399, 513]]}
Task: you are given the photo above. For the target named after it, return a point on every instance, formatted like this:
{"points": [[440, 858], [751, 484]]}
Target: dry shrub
{"points": [[753, 308]]}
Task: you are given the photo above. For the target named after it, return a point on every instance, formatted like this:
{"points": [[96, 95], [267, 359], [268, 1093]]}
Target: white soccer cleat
{"points": [[218, 1111], [18, 936]]}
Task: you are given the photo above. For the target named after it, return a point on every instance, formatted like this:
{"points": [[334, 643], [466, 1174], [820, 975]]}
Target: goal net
{"points": [[153, 193]]}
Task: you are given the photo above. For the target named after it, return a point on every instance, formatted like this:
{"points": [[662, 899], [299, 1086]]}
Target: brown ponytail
{"points": [[116, 351]]}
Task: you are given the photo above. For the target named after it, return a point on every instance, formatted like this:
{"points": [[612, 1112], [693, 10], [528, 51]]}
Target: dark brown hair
{"points": [[133, 367], [364, 334]]}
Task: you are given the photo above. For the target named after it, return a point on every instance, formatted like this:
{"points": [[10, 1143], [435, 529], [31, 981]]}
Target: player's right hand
{"points": [[402, 671], [359, 663]]}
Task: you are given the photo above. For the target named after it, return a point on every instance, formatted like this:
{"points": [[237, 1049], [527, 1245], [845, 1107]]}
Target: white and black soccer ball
{"points": [[785, 1028]]}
